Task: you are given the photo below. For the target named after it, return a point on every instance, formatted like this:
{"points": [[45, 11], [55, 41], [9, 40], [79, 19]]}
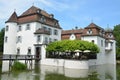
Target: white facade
{"points": [[27, 38]]}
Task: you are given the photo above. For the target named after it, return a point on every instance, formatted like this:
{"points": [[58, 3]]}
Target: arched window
{"points": [[6, 38], [7, 28], [43, 19], [29, 51], [89, 31]]}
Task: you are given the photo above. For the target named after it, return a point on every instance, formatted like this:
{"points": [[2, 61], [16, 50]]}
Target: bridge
{"points": [[12, 57]]}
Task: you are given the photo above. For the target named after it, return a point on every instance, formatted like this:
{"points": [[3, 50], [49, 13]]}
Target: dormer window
{"points": [[43, 19], [89, 31], [56, 24], [38, 11], [72, 37], [110, 35], [100, 32]]}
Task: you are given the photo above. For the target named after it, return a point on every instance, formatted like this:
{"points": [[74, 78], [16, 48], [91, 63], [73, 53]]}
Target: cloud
{"points": [[7, 7], [56, 5]]}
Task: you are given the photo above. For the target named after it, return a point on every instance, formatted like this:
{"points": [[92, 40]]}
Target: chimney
{"points": [[51, 16], [76, 27]]}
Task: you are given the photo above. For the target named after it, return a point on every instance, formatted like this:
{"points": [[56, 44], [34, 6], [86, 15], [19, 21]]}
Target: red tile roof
{"points": [[73, 31], [93, 25], [96, 31], [13, 18], [34, 14]]}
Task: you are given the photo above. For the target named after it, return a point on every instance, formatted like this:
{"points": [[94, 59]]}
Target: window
{"points": [[89, 31], [55, 32], [43, 19], [50, 40], [7, 28], [29, 51], [55, 39], [110, 35], [102, 43], [19, 39], [56, 24], [18, 51], [106, 44], [38, 38], [28, 27], [50, 30], [6, 38], [46, 40], [19, 28], [45, 28]]}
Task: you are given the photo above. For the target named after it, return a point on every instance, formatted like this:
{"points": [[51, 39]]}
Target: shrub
{"points": [[18, 66]]}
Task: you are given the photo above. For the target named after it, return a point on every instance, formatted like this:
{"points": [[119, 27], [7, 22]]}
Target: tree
{"points": [[72, 45], [116, 32], [2, 39]]}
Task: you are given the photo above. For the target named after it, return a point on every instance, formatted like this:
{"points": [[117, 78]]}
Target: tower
{"points": [[96, 34], [10, 35]]}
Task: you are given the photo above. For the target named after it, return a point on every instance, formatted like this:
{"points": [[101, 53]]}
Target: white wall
{"points": [[10, 45], [97, 41], [70, 64], [111, 54], [28, 38]]}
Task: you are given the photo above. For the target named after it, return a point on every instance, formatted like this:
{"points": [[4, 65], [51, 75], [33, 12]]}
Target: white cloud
{"points": [[53, 4], [7, 7]]}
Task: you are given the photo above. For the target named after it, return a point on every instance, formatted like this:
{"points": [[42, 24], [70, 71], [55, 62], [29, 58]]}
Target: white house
{"points": [[103, 39], [33, 29]]}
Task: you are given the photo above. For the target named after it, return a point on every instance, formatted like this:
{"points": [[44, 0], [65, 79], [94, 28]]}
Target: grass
{"points": [[18, 66]]}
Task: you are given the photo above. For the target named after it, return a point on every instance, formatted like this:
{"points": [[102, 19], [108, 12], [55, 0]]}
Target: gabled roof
{"points": [[34, 10], [93, 25], [13, 18], [34, 14], [31, 10]]}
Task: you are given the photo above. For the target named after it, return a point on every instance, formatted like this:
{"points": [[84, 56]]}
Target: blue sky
{"points": [[70, 13]]}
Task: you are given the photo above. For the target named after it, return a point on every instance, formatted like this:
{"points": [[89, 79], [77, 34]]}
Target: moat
{"points": [[103, 72]]}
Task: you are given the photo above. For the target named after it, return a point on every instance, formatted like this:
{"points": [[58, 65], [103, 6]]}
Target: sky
{"points": [[70, 13]]}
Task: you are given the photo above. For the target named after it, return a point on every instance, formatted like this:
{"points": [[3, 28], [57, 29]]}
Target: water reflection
{"points": [[42, 72]]}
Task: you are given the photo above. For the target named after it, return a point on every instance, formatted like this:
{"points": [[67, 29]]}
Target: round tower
{"points": [[10, 35]]}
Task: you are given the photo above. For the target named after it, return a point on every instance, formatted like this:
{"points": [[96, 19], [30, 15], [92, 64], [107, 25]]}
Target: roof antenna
{"points": [[14, 10], [91, 20], [33, 4]]}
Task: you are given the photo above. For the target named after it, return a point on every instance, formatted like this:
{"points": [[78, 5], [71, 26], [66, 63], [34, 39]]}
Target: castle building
{"points": [[29, 33], [104, 39]]}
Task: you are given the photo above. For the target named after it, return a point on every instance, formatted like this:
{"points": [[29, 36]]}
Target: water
{"points": [[103, 72]]}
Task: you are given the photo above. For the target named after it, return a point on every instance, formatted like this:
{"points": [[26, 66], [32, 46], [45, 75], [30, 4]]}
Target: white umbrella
{"points": [[86, 51], [77, 51]]}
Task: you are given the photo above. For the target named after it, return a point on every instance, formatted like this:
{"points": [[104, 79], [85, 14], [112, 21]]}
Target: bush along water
{"points": [[18, 66]]}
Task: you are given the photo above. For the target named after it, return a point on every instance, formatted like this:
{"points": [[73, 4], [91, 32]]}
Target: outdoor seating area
{"points": [[72, 55]]}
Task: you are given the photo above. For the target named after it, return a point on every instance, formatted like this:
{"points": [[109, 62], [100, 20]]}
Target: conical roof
{"points": [[13, 18]]}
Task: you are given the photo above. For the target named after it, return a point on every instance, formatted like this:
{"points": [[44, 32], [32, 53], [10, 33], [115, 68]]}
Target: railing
{"points": [[19, 57]]}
